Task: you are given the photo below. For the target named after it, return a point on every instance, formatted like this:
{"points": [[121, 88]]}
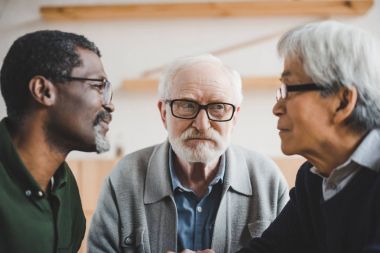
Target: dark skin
{"points": [[32, 139]]}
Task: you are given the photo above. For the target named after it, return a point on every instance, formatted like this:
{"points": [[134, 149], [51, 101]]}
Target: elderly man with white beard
{"points": [[194, 191]]}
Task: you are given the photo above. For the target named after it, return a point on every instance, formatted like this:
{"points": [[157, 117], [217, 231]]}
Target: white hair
{"points": [[336, 55], [165, 84]]}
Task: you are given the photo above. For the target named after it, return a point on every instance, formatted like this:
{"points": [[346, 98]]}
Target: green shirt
{"points": [[30, 220]]}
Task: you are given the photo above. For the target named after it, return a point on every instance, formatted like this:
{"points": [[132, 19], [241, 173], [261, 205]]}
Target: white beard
{"points": [[202, 153], [101, 142]]}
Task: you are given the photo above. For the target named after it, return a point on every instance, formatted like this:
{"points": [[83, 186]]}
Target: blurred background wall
{"points": [[135, 50]]}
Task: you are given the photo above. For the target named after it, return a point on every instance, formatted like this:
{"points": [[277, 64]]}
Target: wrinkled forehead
{"points": [[202, 74]]}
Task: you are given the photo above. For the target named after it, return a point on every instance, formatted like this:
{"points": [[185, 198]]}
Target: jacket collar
{"points": [[14, 166], [158, 182], [237, 175]]}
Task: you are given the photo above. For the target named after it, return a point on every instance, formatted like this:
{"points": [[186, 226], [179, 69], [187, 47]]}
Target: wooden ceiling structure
{"points": [[207, 10], [229, 9]]}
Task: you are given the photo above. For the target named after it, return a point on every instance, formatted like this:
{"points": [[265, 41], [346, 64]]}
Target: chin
{"points": [[287, 150], [101, 143]]}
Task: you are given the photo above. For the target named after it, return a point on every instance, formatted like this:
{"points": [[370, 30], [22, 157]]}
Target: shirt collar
{"points": [[177, 184], [365, 155], [14, 165], [158, 179]]}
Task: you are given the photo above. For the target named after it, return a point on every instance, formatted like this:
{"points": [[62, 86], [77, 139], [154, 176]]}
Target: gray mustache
{"points": [[103, 116]]}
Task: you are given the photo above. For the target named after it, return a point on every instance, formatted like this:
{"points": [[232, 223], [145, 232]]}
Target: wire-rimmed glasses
{"points": [[104, 83]]}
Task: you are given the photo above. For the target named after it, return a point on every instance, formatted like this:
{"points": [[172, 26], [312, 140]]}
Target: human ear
{"points": [[42, 90], [347, 98], [162, 108], [236, 115]]}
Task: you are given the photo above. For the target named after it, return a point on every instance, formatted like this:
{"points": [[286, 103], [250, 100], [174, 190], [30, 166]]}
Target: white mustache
{"points": [[192, 133]]}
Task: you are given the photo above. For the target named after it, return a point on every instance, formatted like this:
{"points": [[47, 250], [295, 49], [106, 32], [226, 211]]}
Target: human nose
{"points": [[279, 107], [201, 122], [109, 106]]}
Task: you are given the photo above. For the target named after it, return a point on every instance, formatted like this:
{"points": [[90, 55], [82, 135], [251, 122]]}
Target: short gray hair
{"points": [[336, 55], [164, 86]]}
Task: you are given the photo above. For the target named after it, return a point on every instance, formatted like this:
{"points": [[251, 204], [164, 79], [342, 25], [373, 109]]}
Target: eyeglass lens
{"points": [[107, 94], [190, 109]]}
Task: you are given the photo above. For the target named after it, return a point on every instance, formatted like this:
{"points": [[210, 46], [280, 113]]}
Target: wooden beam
{"points": [[249, 83], [140, 85], [207, 10]]}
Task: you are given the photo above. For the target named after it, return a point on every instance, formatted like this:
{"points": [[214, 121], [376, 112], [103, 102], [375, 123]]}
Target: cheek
{"points": [[177, 126], [310, 120], [224, 129]]}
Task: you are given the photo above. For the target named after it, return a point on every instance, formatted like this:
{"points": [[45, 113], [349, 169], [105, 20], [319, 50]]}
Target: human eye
{"points": [[217, 107], [184, 108], [99, 85], [187, 105], [217, 110]]}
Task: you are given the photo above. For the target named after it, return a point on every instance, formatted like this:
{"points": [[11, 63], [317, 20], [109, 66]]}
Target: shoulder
{"points": [[263, 174], [306, 182], [67, 172], [304, 174], [134, 165], [255, 161]]}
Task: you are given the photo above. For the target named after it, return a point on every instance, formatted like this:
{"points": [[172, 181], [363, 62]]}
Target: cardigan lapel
{"points": [[159, 202], [157, 182], [237, 178], [237, 175]]}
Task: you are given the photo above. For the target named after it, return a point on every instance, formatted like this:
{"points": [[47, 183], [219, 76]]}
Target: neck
{"points": [[40, 159], [196, 176], [334, 152]]}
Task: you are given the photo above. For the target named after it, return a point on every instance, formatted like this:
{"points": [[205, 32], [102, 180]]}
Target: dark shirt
{"points": [[30, 219], [196, 217], [348, 222]]}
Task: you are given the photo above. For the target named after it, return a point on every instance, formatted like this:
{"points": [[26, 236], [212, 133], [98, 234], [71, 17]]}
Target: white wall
{"points": [[131, 47]]}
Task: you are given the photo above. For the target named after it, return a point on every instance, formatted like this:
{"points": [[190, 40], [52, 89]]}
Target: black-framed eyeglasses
{"points": [[282, 91], [187, 109], [103, 84]]}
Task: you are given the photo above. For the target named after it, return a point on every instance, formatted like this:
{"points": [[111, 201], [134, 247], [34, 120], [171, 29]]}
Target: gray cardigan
{"points": [[136, 211]]}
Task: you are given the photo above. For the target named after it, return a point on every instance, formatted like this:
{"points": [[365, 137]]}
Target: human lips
{"points": [[104, 118], [194, 137], [199, 139], [104, 125], [282, 129]]}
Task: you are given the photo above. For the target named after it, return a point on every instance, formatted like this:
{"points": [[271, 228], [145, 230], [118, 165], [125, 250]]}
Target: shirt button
{"points": [[28, 193], [199, 209], [40, 193], [128, 240]]}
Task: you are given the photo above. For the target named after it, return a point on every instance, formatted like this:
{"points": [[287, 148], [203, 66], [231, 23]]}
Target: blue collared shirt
{"points": [[196, 217]]}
